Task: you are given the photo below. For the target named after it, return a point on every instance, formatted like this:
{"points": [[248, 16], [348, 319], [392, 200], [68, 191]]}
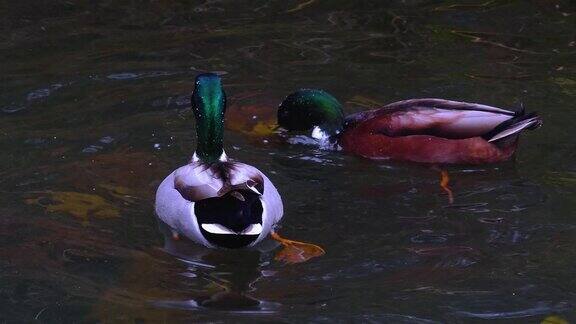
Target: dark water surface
{"points": [[94, 113]]}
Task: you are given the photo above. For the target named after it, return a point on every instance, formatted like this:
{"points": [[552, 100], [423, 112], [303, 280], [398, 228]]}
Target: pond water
{"points": [[94, 113]]}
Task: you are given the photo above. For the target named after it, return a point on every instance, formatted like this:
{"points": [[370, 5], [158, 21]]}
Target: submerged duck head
{"points": [[311, 109]]}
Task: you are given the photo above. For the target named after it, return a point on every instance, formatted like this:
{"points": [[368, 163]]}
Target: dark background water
{"points": [[94, 113]]}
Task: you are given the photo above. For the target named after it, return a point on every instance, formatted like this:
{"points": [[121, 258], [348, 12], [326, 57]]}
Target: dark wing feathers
{"points": [[513, 126]]}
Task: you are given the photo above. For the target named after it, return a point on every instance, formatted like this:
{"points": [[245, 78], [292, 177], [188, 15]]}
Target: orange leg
{"points": [[445, 184], [296, 252]]}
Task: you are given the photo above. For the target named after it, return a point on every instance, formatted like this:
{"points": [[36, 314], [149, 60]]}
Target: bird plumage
{"points": [[212, 200], [422, 130]]}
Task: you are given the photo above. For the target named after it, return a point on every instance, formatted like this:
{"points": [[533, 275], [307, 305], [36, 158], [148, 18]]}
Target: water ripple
{"points": [[538, 309]]}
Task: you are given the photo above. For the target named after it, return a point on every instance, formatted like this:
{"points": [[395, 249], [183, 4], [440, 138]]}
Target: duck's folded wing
{"points": [[436, 117], [196, 182], [435, 103]]}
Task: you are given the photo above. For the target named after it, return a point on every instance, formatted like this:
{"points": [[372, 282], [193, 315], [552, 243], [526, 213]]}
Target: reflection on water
{"points": [[94, 112], [220, 268]]}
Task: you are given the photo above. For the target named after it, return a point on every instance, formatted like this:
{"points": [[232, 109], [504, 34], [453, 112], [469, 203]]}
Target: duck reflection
{"points": [[228, 277]]}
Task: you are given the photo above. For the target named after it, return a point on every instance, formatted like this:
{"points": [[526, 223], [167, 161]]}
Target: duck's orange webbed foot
{"points": [[296, 252], [445, 184]]}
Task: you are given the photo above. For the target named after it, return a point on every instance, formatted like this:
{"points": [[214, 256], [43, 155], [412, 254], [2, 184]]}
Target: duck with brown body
{"points": [[427, 130], [430, 130], [218, 202]]}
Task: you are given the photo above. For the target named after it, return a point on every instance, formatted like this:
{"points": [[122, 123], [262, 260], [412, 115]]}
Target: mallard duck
{"points": [[436, 131], [217, 202], [417, 130]]}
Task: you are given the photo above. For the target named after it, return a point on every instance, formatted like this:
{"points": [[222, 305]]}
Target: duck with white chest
{"points": [[217, 202]]}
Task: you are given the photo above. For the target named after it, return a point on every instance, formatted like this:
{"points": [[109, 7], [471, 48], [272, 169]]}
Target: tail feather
{"points": [[513, 126]]}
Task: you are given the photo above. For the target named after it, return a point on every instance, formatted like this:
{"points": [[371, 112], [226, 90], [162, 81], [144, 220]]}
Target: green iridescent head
{"points": [[307, 109], [209, 106]]}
